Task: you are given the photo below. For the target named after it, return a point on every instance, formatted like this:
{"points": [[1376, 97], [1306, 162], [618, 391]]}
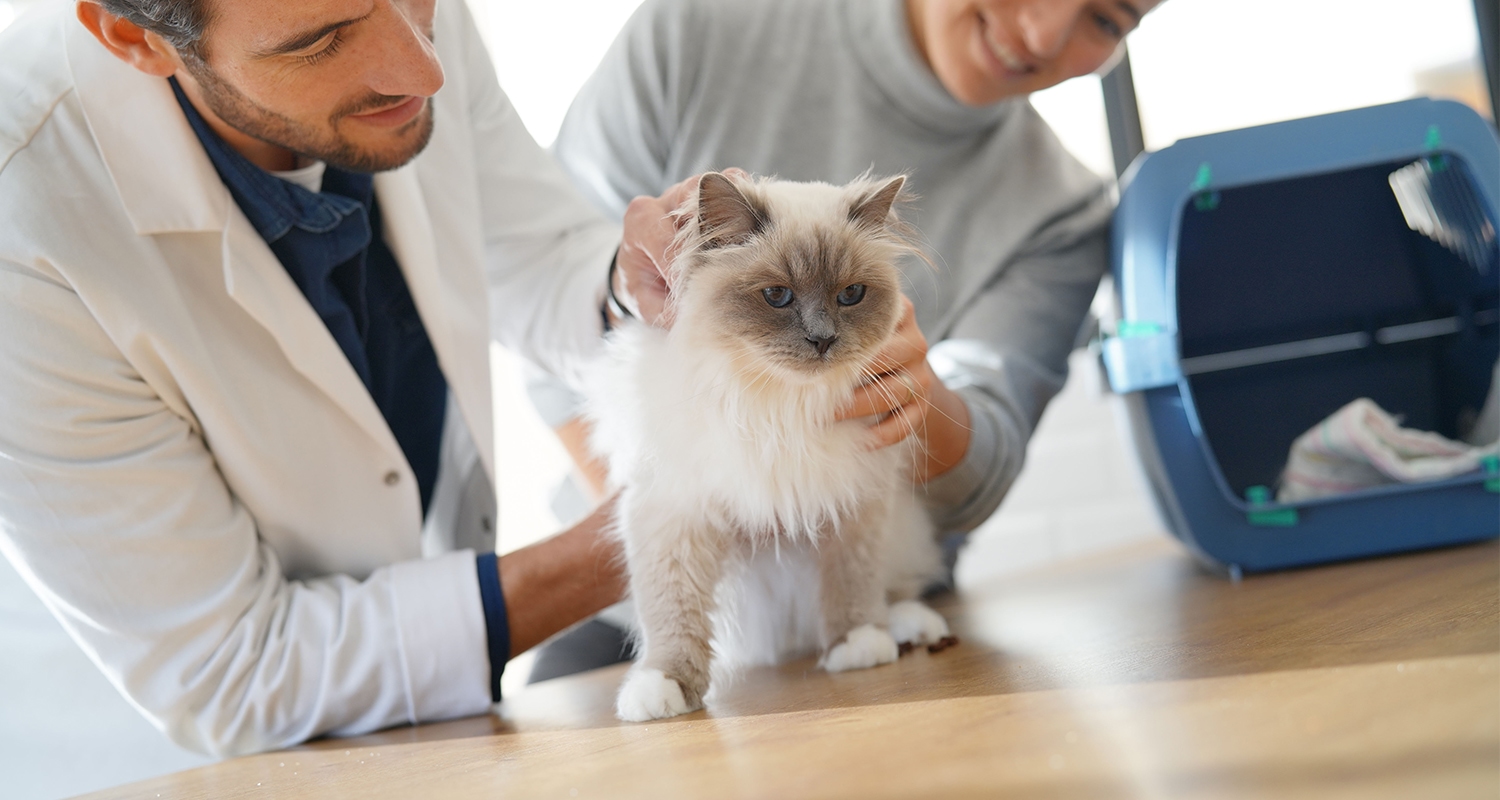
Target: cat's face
{"points": [[800, 278]]}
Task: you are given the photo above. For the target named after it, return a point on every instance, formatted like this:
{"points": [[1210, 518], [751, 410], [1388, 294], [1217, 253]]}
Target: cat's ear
{"points": [[874, 208], [725, 215]]}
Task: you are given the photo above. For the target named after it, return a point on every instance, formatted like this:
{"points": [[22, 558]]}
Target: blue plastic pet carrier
{"points": [[1268, 276]]}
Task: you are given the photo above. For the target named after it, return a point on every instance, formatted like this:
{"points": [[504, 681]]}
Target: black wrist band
{"points": [[611, 300]]}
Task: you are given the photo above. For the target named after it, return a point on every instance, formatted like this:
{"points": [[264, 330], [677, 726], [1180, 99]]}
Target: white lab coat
{"points": [[192, 476]]}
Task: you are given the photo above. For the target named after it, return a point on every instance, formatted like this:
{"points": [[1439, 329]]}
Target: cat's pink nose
{"points": [[822, 344]]}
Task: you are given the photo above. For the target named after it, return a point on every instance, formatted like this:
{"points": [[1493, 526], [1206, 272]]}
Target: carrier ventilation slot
{"points": [[1324, 345], [1440, 201]]}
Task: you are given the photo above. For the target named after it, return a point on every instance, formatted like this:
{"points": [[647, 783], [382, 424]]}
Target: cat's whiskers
{"points": [[914, 441]]}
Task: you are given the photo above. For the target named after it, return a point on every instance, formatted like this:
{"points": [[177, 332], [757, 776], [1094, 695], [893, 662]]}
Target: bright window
{"points": [[1212, 65]]}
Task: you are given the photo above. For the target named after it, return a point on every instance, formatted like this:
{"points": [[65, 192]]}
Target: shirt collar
{"points": [[275, 206]]}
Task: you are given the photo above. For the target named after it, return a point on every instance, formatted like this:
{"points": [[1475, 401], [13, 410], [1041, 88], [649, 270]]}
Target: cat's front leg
{"points": [[675, 564], [853, 595]]}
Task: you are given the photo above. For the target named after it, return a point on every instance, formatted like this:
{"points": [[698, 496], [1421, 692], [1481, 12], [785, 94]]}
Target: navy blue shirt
{"points": [[331, 244]]}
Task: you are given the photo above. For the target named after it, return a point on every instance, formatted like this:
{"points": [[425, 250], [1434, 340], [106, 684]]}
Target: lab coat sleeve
{"points": [[113, 510], [616, 138], [547, 249]]}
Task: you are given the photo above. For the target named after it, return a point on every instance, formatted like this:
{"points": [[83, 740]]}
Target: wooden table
{"points": [[1134, 674]]}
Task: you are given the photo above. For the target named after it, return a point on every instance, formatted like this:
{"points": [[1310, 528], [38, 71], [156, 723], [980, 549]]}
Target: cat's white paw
{"points": [[865, 646], [649, 694], [914, 623]]}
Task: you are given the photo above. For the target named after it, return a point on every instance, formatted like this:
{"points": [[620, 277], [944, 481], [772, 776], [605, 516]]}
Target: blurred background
{"points": [[1200, 66]]}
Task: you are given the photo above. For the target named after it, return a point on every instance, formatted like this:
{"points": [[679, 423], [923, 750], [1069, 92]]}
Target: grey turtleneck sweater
{"points": [[825, 90]]}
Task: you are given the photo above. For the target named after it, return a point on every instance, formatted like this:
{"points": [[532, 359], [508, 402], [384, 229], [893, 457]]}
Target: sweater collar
{"points": [[881, 38]]}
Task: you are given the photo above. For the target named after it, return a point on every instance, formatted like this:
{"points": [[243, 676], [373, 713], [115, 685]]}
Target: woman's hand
{"points": [[646, 251], [907, 399]]}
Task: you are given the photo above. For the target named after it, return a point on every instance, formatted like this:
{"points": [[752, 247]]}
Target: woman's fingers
{"points": [[642, 260], [898, 425], [907, 346], [647, 247], [892, 391]]}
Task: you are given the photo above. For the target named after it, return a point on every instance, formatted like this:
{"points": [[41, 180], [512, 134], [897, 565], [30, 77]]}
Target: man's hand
{"points": [[562, 580], [908, 399], [646, 251]]}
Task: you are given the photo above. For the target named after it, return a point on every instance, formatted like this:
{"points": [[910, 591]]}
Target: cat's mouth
{"points": [[818, 359]]}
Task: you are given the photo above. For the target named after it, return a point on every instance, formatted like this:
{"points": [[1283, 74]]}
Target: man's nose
{"points": [[1046, 25], [407, 61]]}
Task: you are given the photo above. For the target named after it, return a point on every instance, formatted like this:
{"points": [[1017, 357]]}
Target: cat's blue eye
{"points": [[852, 294], [778, 296]]}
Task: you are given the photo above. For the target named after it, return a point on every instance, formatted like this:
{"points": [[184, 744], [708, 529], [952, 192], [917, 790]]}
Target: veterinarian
{"points": [[825, 90], [251, 261]]}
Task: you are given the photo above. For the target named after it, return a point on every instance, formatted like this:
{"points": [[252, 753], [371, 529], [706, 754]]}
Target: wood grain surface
{"points": [[1134, 674]]}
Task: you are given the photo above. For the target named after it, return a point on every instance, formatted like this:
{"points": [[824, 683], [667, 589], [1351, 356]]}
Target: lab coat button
{"points": [[392, 478]]}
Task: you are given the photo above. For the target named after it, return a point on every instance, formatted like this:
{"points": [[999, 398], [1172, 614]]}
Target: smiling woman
{"points": [[984, 51]]}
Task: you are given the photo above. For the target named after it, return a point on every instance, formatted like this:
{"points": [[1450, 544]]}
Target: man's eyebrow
{"points": [[302, 41], [1130, 9]]}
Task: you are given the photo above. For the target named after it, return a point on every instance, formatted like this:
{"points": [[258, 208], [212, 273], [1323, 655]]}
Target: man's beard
{"points": [[251, 119]]}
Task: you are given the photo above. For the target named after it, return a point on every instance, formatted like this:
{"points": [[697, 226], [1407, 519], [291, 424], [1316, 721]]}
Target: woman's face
{"points": [[984, 51]]}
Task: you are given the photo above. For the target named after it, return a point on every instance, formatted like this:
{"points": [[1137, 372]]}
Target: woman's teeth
{"points": [[1007, 56]]}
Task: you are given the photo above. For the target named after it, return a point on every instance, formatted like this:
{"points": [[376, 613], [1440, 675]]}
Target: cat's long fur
{"points": [[756, 526]]}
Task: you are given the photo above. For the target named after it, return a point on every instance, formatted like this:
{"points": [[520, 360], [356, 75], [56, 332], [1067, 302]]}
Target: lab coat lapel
{"points": [[167, 186], [451, 302], [257, 281]]}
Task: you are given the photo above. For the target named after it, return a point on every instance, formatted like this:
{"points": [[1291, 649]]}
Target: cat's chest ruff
{"points": [[768, 457]]}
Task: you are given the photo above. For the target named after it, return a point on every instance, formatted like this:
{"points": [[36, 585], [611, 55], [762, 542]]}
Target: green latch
{"points": [[1432, 144], [1203, 198], [1267, 517], [1136, 329], [1491, 466]]}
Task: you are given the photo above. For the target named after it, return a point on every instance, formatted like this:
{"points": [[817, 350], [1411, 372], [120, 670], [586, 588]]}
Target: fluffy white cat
{"points": [[756, 526]]}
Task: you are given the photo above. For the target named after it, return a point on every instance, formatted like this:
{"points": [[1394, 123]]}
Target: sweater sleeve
{"points": [[1007, 356]]}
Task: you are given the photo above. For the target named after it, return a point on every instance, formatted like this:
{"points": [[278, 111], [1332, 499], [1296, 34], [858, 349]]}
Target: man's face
{"points": [[984, 51], [345, 81]]}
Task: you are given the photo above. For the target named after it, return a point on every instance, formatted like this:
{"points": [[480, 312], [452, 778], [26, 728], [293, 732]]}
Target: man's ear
{"points": [[129, 42]]}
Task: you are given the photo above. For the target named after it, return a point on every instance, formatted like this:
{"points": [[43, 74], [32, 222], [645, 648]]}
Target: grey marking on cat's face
{"points": [[814, 330], [770, 288], [811, 330]]}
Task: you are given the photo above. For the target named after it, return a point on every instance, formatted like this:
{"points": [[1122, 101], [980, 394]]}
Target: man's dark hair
{"points": [[180, 22]]}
